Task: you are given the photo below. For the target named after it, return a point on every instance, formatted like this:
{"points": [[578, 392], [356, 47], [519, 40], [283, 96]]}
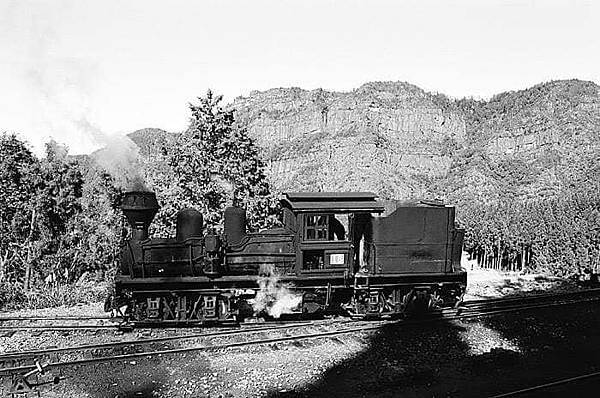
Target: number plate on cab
{"points": [[337, 259]]}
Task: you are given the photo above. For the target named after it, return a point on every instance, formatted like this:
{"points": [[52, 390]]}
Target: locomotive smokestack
{"points": [[140, 208]]}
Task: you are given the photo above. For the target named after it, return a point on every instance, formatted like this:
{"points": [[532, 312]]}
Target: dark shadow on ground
{"points": [[139, 378], [437, 360]]}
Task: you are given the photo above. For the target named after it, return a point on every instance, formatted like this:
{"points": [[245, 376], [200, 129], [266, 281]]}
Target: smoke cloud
{"points": [[274, 297], [120, 157], [60, 89]]}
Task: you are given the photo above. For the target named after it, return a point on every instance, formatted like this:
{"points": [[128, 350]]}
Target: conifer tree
{"points": [[214, 163]]}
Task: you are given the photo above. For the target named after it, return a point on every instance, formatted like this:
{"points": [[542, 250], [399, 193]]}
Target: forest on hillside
{"points": [[527, 184]]}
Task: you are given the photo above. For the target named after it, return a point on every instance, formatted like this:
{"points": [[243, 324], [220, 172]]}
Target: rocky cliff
{"points": [[402, 142], [391, 138], [530, 143]]}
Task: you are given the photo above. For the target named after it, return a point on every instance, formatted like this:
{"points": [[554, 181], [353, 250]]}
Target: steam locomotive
{"points": [[336, 252]]}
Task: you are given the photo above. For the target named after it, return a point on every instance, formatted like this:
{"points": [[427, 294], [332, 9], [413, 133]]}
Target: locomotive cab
{"points": [[394, 256], [333, 230], [324, 244]]}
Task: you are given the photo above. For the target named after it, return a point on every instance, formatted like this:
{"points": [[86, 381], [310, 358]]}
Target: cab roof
{"points": [[335, 202]]}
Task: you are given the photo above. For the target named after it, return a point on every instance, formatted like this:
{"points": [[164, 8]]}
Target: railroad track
{"points": [[47, 324], [148, 341], [37, 323], [546, 388], [526, 301], [471, 310], [55, 328], [541, 296], [43, 324], [130, 345], [53, 318]]}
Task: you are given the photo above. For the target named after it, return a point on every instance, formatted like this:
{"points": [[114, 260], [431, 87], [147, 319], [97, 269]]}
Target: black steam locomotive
{"points": [[336, 252]]}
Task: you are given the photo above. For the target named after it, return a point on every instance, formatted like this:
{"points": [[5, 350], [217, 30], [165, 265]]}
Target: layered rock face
{"points": [[558, 114], [537, 142], [391, 138], [402, 142]]}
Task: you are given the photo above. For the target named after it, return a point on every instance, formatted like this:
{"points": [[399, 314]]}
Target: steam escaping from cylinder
{"points": [[274, 297]]}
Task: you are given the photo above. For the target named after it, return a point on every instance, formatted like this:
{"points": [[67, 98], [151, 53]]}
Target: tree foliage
{"points": [[212, 164], [58, 218], [91, 240], [18, 170], [558, 235]]}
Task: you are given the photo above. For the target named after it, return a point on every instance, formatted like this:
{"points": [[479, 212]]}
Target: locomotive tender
{"points": [[335, 252]]}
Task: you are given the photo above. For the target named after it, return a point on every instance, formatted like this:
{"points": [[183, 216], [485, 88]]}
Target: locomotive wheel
{"points": [[312, 304], [367, 305], [419, 303]]}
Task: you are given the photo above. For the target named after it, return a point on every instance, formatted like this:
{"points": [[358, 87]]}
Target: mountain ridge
{"points": [[403, 142]]}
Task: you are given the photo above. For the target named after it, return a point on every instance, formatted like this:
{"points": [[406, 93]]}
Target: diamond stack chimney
{"points": [[140, 208]]}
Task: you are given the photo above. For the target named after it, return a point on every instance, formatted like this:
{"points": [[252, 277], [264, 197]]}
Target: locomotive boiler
{"points": [[335, 252]]}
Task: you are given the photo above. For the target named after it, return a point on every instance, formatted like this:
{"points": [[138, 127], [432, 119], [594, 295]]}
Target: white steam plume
{"points": [[274, 297], [121, 158], [61, 89]]}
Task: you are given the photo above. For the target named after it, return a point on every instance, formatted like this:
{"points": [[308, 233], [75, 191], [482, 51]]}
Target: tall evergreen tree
{"points": [[213, 163]]}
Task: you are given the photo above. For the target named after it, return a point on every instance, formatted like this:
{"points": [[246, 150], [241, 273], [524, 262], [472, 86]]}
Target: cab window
{"points": [[316, 227]]}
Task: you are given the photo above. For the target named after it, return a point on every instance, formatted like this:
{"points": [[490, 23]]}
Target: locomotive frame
{"points": [[336, 252]]}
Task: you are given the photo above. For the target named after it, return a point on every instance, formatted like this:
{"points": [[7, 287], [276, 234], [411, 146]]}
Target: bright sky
{"points": [[80, 70]]}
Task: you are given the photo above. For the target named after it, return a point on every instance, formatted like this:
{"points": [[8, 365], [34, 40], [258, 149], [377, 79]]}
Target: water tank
{"points": [[189, 223], [235, 224]]}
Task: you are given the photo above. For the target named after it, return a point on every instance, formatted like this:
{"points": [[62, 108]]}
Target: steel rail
{"points": [[547, 385], [197, 348], [534, 296], [522, 307], [116, 326], [53, 318], [561, 300], [364, 328], [220, 333], [53, 328]]}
